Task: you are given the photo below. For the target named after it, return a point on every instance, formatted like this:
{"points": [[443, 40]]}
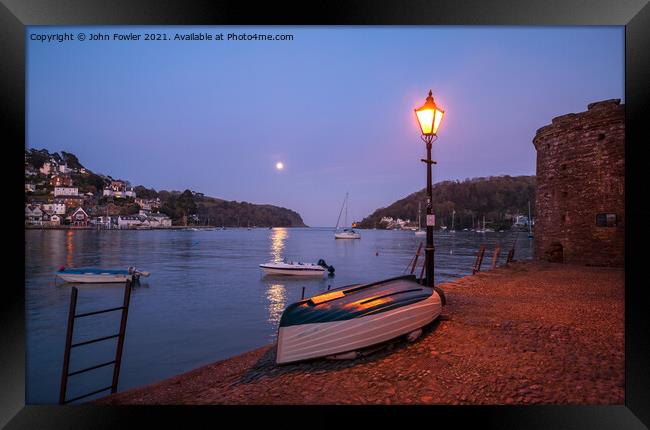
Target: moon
{"points": [[279, 165]]}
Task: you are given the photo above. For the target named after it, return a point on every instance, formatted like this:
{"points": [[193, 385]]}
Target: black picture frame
{"points": [[15, 15]]}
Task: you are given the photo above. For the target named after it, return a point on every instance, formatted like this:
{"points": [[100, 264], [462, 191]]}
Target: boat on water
{"points": [[92, 275], [292, 268], [419, 231], [345, 320], [347, 233]]}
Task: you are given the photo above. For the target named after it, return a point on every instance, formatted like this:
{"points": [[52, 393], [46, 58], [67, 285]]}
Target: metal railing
{"points": [[72, 315]]}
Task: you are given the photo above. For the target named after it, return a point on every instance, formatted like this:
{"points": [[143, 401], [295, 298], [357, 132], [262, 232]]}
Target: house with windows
{"points": [[129, 221], [79, 217], [56, 207], [66, 191], [33, 215], [61, 181]]}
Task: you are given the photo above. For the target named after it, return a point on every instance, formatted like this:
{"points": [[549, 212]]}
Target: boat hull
{"points": [[347, 236], [292, 272], [94, 279], [307, 341]]}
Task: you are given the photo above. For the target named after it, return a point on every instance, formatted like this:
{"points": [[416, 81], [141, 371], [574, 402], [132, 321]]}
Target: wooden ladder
{"points": [[72, 315]]}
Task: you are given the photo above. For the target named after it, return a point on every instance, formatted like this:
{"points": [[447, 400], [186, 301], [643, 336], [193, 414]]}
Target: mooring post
{"points": [[68, 342], [479, 260], [120, 339], [497, 250], [303, 293]]}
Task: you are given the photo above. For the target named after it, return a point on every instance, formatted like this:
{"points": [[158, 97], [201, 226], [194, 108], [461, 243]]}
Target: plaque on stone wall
{"points": [[606, 220]]}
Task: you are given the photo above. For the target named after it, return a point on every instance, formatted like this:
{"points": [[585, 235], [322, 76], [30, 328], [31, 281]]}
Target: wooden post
{"points": [[68, 342], [495, 257], [479, 260], [120, 339], [303, 293], [415, 260], [511, 255]]}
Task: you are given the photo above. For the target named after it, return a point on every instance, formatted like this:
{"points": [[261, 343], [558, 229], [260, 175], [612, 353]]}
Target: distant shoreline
{"points": [[176, 227]]}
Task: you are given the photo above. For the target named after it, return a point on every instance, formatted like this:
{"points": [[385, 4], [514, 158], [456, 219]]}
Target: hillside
{"points": [[182, 207], [498, 198]]}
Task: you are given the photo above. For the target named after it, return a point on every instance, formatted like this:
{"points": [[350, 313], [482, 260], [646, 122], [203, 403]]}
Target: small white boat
{"points": [[292, 268], [347, 233], [91, 275], [342, 321], [419, 231]]}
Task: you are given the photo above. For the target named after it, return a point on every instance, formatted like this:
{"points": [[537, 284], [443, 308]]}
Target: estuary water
{"points": [[206, 298]]}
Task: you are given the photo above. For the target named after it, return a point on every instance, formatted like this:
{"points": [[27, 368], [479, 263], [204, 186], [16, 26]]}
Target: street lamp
{"points": [[429, 117]]}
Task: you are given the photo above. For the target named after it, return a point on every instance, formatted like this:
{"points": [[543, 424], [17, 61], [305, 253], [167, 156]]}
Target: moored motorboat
{"points": [[292, 268], [351, 318], [91, 275]]}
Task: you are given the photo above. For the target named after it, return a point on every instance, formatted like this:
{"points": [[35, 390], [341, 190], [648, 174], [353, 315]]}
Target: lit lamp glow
{"points": [[429, 116]]}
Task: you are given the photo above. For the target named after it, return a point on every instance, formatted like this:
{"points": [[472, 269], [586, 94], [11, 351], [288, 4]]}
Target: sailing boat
{"points": [[419, 231], [347, 233], [530, 222], [453, 214]]}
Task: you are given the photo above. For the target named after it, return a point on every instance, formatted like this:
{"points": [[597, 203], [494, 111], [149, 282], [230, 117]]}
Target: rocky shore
{"points": [[530, 333]]}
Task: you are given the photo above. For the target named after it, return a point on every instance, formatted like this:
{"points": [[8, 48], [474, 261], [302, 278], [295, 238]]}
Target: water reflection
{"points": [[276, 295], [278, 243], [69, 248]]}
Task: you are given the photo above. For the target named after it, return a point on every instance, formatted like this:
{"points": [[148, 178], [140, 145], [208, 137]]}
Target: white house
{"points": [[66, 191], [130, 221], [33, 215], [55, 208], [29, 187], [55, 220], [63, 168], [159, 220], [103, 221]]}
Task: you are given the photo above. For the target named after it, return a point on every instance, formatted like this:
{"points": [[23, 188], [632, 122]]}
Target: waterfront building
{"points": [[33, 215], [55, 220], [129, 221], [79, 217], [29, 187], [581, 187]]}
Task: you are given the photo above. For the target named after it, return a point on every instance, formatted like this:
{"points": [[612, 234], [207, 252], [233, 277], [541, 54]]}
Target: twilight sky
{"points": [[335, 105]]}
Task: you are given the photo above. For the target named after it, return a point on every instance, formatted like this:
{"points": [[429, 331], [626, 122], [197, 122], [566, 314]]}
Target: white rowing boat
{"points": [[351, 318]]}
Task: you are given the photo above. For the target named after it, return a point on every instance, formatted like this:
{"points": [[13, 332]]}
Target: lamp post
{"points": [[429, 117]]}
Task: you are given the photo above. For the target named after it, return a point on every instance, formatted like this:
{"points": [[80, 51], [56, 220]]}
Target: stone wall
{"points": [[581, 187]]}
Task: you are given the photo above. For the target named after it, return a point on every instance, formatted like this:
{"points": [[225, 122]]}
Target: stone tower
{"points": [[580, 198]]}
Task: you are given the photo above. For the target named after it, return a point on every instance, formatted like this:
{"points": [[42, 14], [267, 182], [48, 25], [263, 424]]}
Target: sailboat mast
{"points": [[346, 209], [340, 212]]}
